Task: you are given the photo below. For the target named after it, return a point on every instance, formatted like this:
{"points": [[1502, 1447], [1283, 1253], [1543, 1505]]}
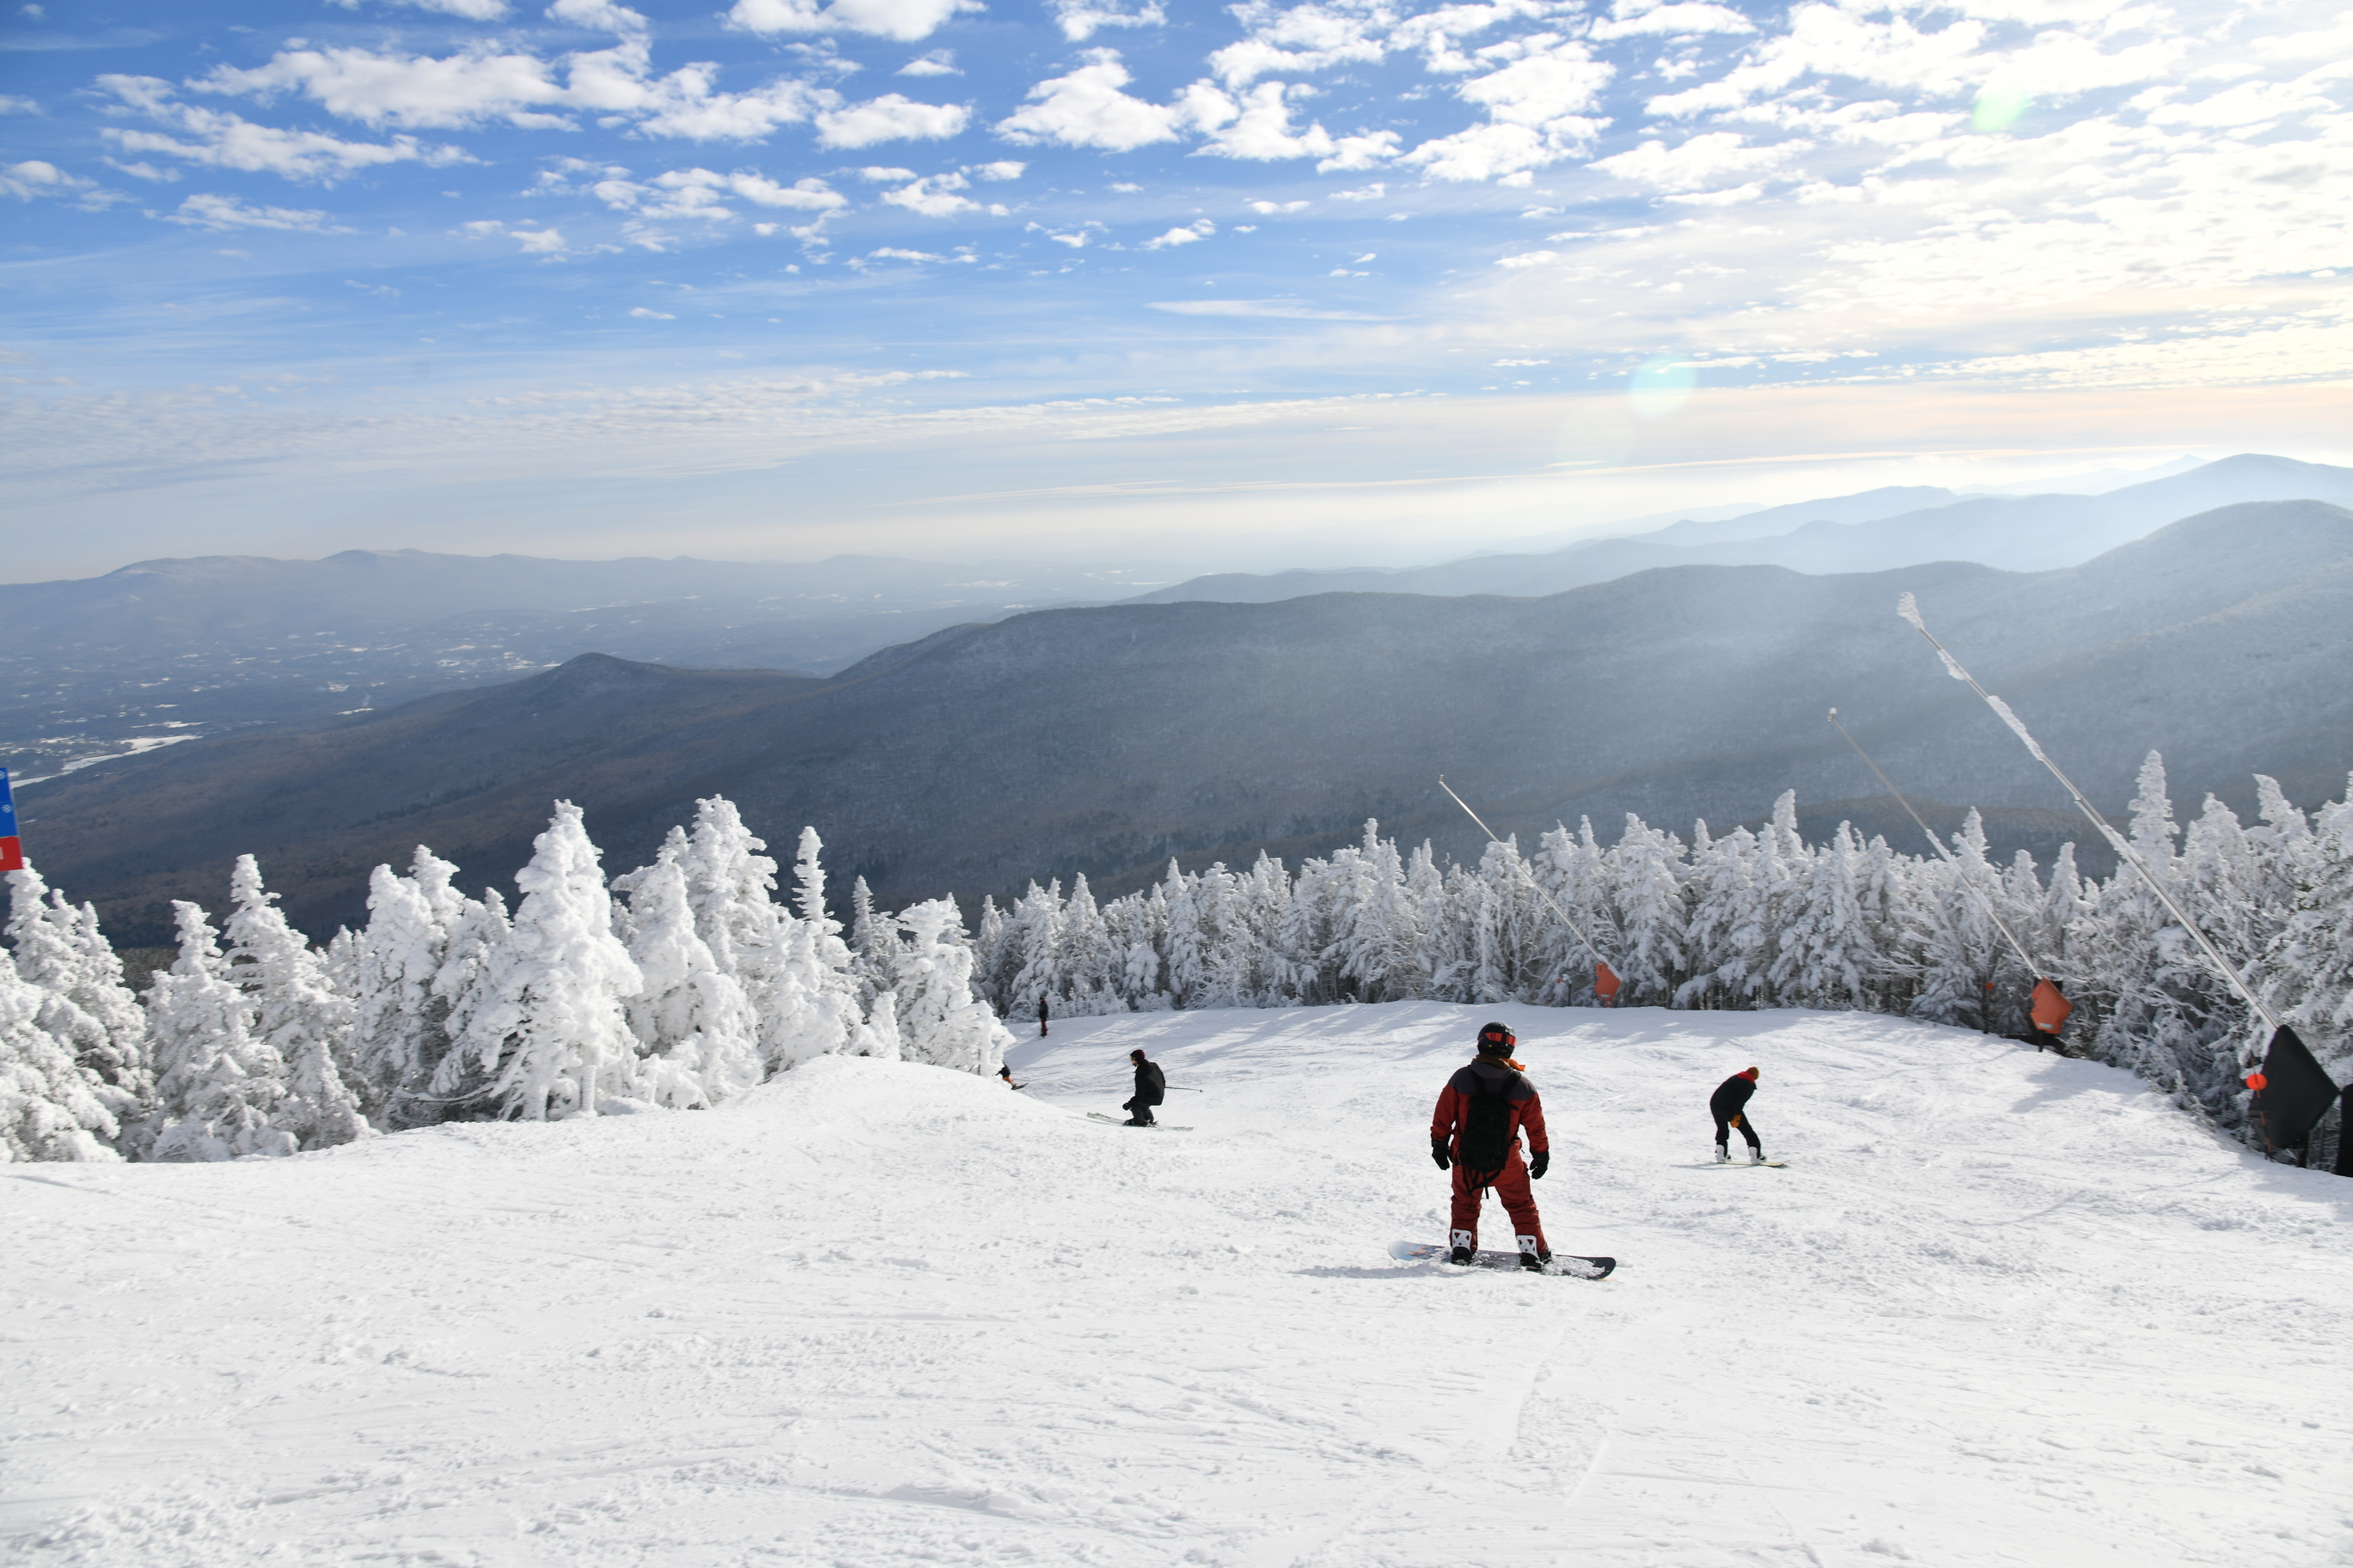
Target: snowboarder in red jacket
{"points": [[1475, 1132]]}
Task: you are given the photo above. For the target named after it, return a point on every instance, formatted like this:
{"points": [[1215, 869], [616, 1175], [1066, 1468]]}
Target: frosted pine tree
{"points": [[2158, 991], [994, 960], [731, 886], [1961, 950], [296, 1017], [397, 1034], [1575, 870], [873, 944], [693, 1023], [1090, 967], [1725, 938], [547, 1036], [1512, 929], [84, 1003], [1190, 937], [51, 1105], [940, 1020], [1138, 928], [2307, 970], [215, 1088], [1647, 890], [815, 1009], [1379, 938], [1825, 955], [1035, 929], [1307, 957], [462, 986]]}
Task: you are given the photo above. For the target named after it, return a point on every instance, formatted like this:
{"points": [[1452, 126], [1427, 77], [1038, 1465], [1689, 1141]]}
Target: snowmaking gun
{"points": [[2292, 1091]]}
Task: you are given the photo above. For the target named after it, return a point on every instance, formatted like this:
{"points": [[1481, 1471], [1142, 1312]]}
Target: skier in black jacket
{"points": [[1729, 1105], [1151, 1088]]}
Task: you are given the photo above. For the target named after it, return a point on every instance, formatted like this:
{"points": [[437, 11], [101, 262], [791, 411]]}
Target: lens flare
{"points": [[1998, 108], [1661, 386]]}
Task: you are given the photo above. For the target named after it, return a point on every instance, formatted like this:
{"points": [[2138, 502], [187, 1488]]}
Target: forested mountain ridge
{"points": [[1876, 531], [1106, 740]]}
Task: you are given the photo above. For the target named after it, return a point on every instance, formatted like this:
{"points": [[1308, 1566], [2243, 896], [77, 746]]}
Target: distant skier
{"points": [[1729, 1105], [1041, 1016], [1151, 1088], [1005, 1073], [1475, 1131]]}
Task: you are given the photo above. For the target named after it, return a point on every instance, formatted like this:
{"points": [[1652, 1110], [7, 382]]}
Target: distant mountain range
{"points": [[1872, 532], [161, 652], [1108, 739]]}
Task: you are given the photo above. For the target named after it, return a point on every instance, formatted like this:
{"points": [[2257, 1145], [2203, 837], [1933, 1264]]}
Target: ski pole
{"points": [[1909, 609], [1939, 845], [1181, 1089], [1541, 892]]}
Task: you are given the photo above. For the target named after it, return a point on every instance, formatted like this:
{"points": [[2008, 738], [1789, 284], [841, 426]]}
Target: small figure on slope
{"points": [[1005, 1073], [1476, 1132], [1729, 1106], [1041, 1014], [1151, 1088]]}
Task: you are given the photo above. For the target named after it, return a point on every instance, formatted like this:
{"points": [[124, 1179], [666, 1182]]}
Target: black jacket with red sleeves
{"points": [[1454, 1104]]}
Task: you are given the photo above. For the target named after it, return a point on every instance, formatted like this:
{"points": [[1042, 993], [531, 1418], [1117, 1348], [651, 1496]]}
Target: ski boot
{"points": [[1533, 1257], [1756, 1156], [1722, 1155], [1466, 1248]]}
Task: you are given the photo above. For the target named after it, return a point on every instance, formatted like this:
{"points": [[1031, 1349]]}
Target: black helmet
{"points": [[1496, 1040]]}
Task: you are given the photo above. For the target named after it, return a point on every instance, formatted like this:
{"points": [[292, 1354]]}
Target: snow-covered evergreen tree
{"points": [[295, 1016], [693, 1023], [51, 1105], [215, 1087], [83, 1003], [546, 1036], [1647, 883], [397, 1034], [940, 1020], [1826, 955]]}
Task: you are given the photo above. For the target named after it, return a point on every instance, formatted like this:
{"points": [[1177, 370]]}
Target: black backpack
{"points": [[1486, 1142], [1156, 1082]]}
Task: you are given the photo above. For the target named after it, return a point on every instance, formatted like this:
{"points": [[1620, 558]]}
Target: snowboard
{"points": [[1121, 1122], [1730, 1165], [1567, 1263]]}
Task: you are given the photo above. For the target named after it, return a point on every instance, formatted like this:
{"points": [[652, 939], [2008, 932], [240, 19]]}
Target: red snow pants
{"points": [[1511, 1187]]}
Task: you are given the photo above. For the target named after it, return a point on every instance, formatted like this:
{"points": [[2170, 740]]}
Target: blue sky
{"points": [[1246, 284]]}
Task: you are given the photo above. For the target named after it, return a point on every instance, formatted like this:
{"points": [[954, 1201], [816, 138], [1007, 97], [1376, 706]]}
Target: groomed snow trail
{"points": [[2000, 1309]]}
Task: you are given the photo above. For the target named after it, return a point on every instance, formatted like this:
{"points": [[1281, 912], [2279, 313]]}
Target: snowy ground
{"points": [[2000, 1309]]}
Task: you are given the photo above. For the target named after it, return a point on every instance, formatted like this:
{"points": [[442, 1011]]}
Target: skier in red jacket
{"points": [[1476, 1132]]}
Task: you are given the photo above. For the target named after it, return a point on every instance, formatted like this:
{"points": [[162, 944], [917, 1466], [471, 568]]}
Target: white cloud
{"points": [[1308, 37], [905, 20], [640, 312], [1371, 193], [893, 253], [1702, 161], [1528, 258], [1081, 19], [890, 118], [1200, 229], [1825, 40], [1632, 18], [16, 103], [1270, 208], [222, 212], [1076, 238], [939, 62], [472, 10], [1351, 154], [1510, 364], [1536, 109], [1280, 310], [419, 91], [875, 174], [1258, 128], [229, 142], [34, 177], [1086, 109], [1003, 169], [934, 195]]}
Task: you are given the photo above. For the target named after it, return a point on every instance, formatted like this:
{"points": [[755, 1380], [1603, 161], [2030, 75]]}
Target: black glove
{"points": [[1539, 1164], [1438, 1155]]}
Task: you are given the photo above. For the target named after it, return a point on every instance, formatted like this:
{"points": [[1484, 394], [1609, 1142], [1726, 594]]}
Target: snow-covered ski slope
{"points": [[2000, 1309]]}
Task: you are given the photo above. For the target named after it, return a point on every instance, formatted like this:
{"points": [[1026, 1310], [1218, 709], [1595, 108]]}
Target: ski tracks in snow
{"points": [[2003, 1309]]}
